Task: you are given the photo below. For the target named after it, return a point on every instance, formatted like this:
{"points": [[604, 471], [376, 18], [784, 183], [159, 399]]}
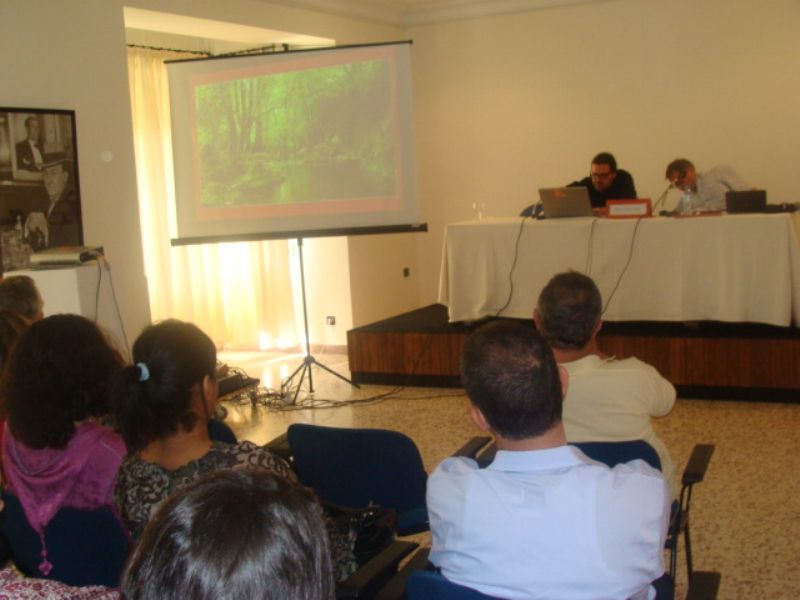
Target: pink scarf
{"points": [[82, 475]]}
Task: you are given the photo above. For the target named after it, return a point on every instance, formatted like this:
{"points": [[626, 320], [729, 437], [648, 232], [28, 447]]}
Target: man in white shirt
{"points": [[709, 187], [543, 520], [608, 400]]}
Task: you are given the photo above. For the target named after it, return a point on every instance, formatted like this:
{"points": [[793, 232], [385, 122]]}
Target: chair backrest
{"points": [[356, 467], [614, 453], [219, 431], [429, 585], [85, 547]]}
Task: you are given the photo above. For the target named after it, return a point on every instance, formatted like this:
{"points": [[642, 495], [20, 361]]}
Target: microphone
{"points": [[663, 197]]}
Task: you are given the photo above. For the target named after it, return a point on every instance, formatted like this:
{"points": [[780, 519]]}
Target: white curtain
{"points": [[238, 293]]}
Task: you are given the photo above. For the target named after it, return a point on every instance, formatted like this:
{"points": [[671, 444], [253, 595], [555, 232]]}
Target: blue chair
{"points": [[85, 547], [359, 467], [430, 585], [614, 453], [219, 431], [609, 453]]}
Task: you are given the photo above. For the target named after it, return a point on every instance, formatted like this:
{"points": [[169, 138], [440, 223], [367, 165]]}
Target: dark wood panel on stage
{"points": [[703, 360]]}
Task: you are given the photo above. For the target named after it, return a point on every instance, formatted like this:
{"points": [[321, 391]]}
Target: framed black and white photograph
{"points": [[40, 203]]}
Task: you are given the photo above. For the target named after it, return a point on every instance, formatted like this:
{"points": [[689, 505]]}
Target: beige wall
{"points": [[378, 287], [71, 54], [505, 105]]}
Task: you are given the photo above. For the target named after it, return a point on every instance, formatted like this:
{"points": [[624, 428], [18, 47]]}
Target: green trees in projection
{"points": [[303, 136]]}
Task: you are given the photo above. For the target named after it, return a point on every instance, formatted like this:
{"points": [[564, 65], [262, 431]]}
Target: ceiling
{"points": [[420, 12], [157, 28], [146, 27]]}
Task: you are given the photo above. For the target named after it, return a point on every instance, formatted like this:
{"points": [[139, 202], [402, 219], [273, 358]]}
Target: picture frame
{"points": [[40, 202]]}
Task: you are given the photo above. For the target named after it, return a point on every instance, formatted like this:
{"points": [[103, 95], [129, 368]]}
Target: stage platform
{"points": [[702, 359]]}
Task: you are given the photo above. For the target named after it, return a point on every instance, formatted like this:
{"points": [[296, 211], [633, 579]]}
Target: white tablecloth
{"points": [[733, 268]]}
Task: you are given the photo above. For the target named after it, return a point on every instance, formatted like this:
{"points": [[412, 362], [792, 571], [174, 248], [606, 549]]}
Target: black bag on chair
{"points": [[371, 528]]}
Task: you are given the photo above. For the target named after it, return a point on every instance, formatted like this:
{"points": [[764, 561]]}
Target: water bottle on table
{"points": [[687, 204]]}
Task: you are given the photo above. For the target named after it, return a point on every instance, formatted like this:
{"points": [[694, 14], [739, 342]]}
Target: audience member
{"points": [[18, 293], [162, 406], [709, 187], [608, 400], [543, 520], [606, 182], [54, 391], [11, 325], [233, 534]]}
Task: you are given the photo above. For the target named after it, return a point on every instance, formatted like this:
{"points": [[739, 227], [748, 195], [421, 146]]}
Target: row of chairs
{"points": [[358, 467], [346, 467]]}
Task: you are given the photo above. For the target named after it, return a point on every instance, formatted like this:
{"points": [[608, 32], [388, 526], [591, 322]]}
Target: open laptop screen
{"points": [[563, 202]]}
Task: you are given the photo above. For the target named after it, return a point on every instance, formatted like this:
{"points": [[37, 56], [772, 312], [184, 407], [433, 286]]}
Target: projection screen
{"points": [[294, 144]]}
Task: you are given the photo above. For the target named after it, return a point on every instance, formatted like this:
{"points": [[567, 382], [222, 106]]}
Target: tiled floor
{"points": [[745, 516]]}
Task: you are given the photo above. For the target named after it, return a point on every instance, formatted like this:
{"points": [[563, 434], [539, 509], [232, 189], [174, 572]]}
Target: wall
{"points": [[505, 105], [378, 286], [71, 54]]}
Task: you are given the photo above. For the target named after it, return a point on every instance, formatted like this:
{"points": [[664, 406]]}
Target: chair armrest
{"points": [[379, 569], [473, 446], [704, 585], [280, 446], [396, 588], [696, 468]]}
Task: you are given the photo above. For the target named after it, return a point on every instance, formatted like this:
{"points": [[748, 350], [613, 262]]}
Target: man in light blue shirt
{"points": [[709, 187], [543, 520]]}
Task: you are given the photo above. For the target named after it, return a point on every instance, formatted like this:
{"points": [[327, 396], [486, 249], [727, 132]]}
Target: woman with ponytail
{"points": [[162, 404]]}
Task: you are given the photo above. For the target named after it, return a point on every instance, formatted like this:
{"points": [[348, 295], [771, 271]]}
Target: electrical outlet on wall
{"points": [[330, 320]]}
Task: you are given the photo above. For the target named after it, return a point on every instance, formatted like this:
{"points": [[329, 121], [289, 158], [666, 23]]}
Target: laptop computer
{"points": [[749, 201], [562, 202]]}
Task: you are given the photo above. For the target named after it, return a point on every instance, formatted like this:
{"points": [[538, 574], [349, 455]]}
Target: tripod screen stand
{"points": [[308, 360]]}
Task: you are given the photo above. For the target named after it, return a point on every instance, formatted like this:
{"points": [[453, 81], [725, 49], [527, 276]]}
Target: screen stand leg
{"points": [[308, 360]]}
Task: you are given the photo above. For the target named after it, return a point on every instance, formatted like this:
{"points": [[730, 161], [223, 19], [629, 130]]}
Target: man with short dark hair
{"points": [[708, 188], [608, 400], [605, 182], [543, 520], [19, 294]]}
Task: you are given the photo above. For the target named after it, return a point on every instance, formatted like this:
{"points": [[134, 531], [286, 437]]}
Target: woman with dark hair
{"points": [[162, 405], [54, 394], [233, 534]]}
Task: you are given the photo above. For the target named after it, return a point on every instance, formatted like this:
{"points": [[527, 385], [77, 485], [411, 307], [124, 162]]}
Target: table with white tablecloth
{"points": [[731, 268]]}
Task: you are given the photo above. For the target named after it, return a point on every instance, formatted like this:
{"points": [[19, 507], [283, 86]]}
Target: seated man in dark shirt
{"points": [[606, 182]]}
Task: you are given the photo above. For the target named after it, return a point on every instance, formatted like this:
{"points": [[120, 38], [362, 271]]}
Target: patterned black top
{"points": [[143, 485]]}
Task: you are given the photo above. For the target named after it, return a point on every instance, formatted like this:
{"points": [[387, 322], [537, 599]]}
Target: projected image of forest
{"points": [[303, 136]]}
